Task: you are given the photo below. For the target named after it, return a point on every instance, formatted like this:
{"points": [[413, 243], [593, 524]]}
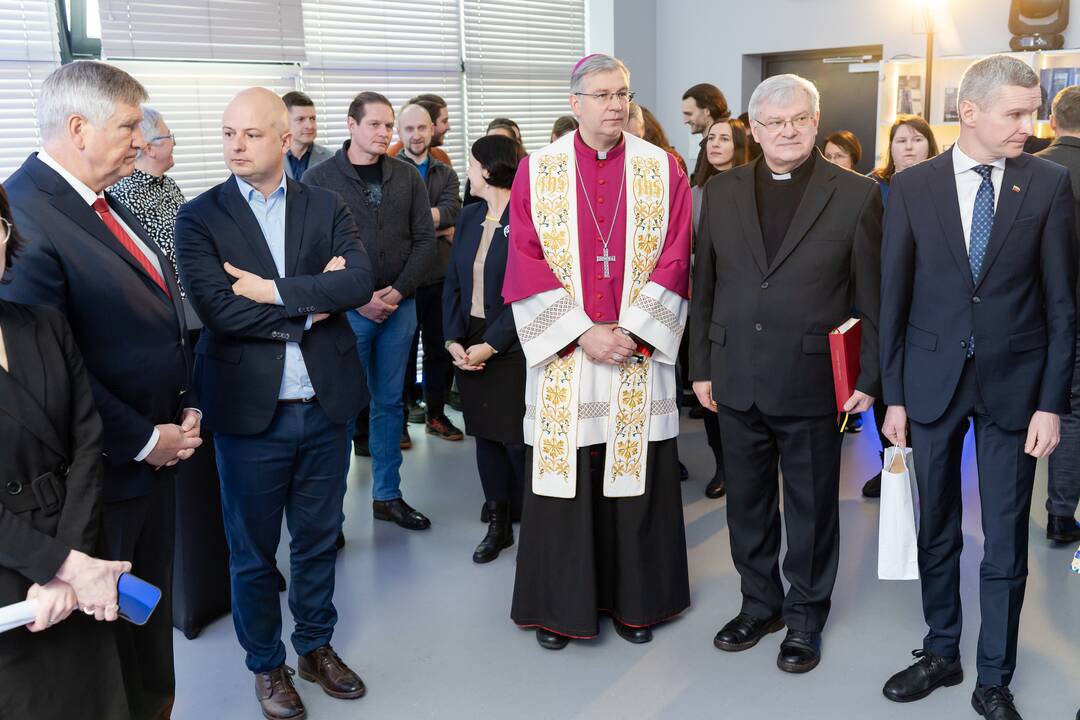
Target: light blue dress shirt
{"points": [[270, 214]]}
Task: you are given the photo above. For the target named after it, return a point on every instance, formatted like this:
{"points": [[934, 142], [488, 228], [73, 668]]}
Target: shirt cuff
{"points": [[277, 295], [309, 323], [154, 437]]}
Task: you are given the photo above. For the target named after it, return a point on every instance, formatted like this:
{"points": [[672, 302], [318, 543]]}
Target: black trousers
{"points": [[141, 530], [808, 452], [502, 470], [1063, 476], [1006, 477], [438, 365]]}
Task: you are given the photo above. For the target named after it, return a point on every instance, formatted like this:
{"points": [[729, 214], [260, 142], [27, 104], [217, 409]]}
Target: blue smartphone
{"points": [[137, 598]]}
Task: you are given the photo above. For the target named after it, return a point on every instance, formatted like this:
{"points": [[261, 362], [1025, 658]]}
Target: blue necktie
{"points": [[982, 223]]}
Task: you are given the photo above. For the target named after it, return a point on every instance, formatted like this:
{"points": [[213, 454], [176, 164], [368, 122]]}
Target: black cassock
{"points": [[591, 554]]}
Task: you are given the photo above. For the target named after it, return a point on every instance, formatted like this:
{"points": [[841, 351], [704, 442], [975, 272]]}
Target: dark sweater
{"points": [[444, 193], [777, 201], [396, 231]]}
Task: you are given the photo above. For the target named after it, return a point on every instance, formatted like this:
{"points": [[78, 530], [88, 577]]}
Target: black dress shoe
{"points": [[551, 640], [1062, 529], [800, 652], [994, 703], [360, 446], [398, 511], [872, 487], [636, 635], [717, 487], [744, 631], [928, 673], [500, 534]]}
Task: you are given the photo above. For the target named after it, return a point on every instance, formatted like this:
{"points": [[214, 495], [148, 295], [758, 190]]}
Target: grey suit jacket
{"points": [[318, 154]]}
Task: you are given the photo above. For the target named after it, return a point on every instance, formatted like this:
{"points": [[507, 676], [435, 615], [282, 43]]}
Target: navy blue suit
{"points": [[277, 456], [1021, 312], [133, 339]]}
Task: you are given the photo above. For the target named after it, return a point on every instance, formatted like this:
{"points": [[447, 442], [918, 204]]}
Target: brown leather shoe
{"points": [[323, 666], [277, 696]]}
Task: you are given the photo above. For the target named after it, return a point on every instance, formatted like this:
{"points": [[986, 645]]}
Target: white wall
{"points": [[705, 40]]}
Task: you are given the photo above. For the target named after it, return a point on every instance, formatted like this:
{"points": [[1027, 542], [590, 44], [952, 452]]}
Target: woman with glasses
{"points": [[842, 148], [50, 502]]}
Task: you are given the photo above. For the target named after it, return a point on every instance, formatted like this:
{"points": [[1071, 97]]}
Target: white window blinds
{"points": [[191, 98], [29, 51], [394, 47], [518, 57], [243, 30]]}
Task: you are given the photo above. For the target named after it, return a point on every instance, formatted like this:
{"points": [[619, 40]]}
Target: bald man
{"points": [[270, 266]]}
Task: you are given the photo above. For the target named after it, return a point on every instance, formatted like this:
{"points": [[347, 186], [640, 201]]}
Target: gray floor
{"points": [[430, 632]]}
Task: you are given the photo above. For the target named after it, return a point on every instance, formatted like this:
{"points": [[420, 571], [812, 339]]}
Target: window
{"points": [[518, 57], [29, 51], [83, 22]]}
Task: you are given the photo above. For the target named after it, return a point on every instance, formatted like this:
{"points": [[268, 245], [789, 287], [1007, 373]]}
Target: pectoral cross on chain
{"points": [[607, 258]]}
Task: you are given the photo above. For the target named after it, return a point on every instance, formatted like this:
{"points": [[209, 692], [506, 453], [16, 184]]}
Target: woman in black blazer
{"points": [[482, 338], [50, 496]]}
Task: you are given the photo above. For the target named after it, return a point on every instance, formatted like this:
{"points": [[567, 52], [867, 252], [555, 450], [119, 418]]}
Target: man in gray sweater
{"points": [[390, 204], [416, 128]]}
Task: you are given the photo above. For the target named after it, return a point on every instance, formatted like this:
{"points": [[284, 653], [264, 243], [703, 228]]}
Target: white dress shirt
{"points": [[90, 196], [967, 186]]}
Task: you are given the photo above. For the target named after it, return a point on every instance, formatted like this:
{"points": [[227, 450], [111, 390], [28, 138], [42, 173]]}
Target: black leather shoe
{"points": [[500, 534], [928, 673], [1062, 529], [994, 703], [551, 640], [717, 487], [398, 511], [744, 631], [636, 635], [800, 652], [360, 446], [872, 487]]}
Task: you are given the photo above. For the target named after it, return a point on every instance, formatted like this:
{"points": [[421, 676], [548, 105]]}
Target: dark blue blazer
{"points": [[500, 333], [131, 334], [1021, 308], [240, 356]]}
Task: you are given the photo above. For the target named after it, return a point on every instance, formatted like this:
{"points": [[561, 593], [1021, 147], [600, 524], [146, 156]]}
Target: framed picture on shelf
{"points": [[909, 95], [950, 112]]}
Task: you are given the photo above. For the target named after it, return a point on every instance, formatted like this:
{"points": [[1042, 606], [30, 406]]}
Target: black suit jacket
{"points": [[500, 332], [241, 352], [759, 331], [1022, 309], [50, 442], [131, 334]]}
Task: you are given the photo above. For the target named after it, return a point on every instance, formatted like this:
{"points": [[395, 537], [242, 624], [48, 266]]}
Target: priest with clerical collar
{"points": [[598, 276], [788, 248]]}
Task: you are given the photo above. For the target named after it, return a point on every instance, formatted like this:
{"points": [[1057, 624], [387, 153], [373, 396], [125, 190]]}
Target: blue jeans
{"points": [[296, 467], [384, 349]]}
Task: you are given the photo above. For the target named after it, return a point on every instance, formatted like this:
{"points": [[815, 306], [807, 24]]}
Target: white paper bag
{"points": [[898, 550]]}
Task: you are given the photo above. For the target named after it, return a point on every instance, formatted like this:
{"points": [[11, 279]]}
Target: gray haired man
{"points": [[978, 323], [786, 246]]}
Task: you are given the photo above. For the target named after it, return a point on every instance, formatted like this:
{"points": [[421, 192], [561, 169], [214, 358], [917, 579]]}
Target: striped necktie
{"points": [[101, 206]]}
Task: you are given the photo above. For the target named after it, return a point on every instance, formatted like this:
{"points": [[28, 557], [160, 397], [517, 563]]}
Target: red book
{"points": [[844, 342]]}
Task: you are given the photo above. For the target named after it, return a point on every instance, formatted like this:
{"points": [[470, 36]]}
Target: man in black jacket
{"points": [[270, 265], [444, 191], [390, 204], [88, 256], [1063, 476], [787, 246]]}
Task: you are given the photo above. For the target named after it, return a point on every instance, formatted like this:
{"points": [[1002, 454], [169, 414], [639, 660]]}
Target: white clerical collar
{"points": [[785, 176], [84, 191], [962, 162]]}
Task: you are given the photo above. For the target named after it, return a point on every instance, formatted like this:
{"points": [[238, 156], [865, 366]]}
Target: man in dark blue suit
{"points": [[270, 266], [979, 268], [89, 257]]}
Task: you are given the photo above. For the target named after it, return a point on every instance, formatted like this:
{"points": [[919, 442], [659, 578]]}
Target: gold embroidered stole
{"points": [[553, 184]]}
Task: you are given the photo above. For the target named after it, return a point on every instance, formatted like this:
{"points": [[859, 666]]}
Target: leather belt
{"points": [[297, 401]]}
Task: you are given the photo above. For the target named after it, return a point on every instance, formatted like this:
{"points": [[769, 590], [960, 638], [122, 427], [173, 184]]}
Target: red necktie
{"points": [[102, 208]]}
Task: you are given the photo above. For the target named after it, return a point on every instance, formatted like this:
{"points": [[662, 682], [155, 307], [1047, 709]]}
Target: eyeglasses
{"points": [[170, 136], [623, 96], [798, 122], [5, 231]]}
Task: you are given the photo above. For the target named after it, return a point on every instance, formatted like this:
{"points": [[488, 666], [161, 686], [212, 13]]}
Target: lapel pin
{"points": [[1016, 188]]}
